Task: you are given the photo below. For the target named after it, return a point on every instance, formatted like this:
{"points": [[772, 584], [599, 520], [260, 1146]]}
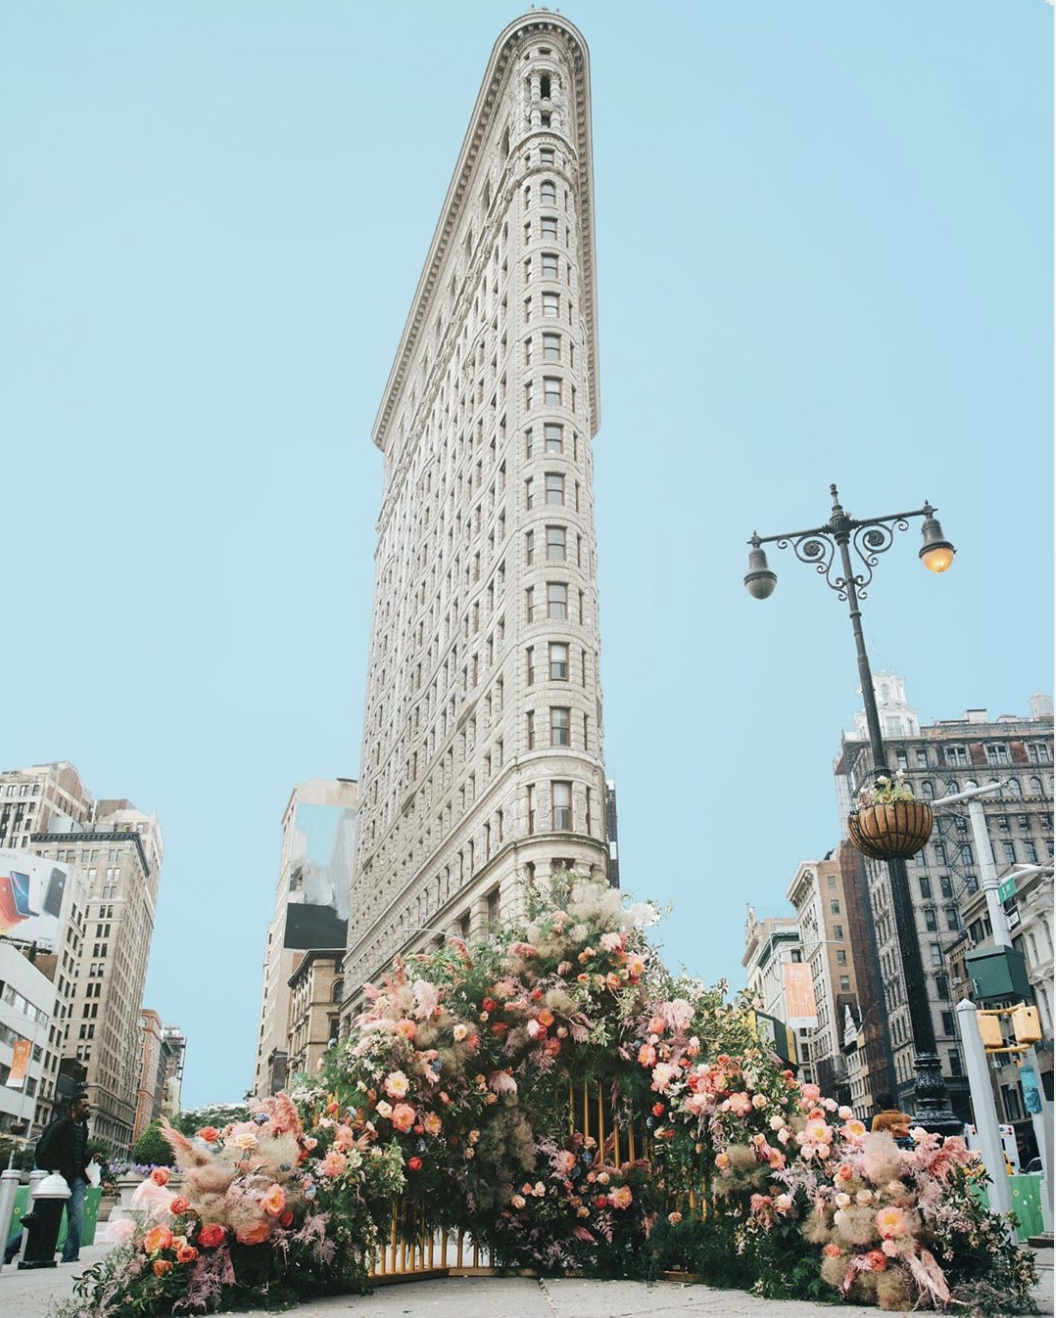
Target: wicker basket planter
{"points": [[885, 832]]}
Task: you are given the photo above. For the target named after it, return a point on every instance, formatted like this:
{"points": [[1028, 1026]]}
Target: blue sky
{"points": [[825, 254]]}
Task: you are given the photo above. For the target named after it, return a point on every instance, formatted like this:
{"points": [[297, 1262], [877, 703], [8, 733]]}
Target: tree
{"points": [[216, 1114], [152, 1148]]}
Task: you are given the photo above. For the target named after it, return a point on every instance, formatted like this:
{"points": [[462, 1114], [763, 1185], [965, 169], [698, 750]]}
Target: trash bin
{"points": [[42, 1222]]}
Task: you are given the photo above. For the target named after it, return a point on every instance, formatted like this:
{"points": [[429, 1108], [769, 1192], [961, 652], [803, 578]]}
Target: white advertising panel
{"points": [[32, 896]]}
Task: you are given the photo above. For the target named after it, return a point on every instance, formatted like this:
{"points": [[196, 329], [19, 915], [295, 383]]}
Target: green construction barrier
{"points": [[91, 1214], [1025, 1193]]}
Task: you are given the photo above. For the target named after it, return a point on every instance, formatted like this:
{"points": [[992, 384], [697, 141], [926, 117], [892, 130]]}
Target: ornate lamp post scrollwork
{"points": [[845, 551]]}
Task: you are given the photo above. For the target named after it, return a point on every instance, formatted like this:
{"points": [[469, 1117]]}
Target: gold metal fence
{"points": [[417, 1248]]}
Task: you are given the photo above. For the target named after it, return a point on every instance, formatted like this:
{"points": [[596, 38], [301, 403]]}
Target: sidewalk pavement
{"points": [[30, 1294]]}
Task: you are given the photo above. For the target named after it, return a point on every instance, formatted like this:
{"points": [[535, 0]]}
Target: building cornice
{"points": [[488, 98], [95, 835]]}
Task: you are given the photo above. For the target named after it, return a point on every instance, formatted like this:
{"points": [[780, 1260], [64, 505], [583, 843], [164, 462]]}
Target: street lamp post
{"points": [[828, 550]]}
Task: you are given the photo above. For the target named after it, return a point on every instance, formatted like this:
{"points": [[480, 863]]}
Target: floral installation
{"points": [[886, 791], [554, 1093]]}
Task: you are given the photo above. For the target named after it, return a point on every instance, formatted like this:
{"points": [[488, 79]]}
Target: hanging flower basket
{"points": [[887, 830]]}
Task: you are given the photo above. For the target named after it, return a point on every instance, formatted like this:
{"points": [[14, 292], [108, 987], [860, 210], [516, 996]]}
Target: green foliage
{"points": [[16, 1153], [152, 1148], [215, 1114]]}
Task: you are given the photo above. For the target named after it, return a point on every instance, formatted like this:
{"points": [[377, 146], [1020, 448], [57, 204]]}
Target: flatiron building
{"points": [[481, 766]]}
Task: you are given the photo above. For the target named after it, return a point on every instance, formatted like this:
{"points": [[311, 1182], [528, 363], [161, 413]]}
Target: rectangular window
{"points": [[834, 907], [548, 226], [558, 661], [556, 546], [528, 443], [527, 308], [553, 435], [561, 805], [925, 887], [845, 983], [529, 547], [552, 390], [953, 919], [529, 394], [529, 665], [531, 808], [921, 756], [560, 726], [529, 493], [550, 267], [551, 347], [936, 954], [528, 351], [548, 192], [555, 488], [841, 956], [997, 754], [1010, 851], [530, 603], [530, 726], [557, 601], [551, 304], [931, 921]]}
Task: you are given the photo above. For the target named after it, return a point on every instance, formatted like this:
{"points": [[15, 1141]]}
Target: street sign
{"points": [[1007, 890], [1028, 1080]]}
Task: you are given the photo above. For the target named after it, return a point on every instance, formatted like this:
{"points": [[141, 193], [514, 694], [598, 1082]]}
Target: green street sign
{"points": [[1007, 890]]}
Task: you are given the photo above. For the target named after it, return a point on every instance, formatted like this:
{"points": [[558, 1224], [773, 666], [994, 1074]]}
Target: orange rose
{"points": [[186, 1254], [403, 1116], [161, 1266], [179, 1206], [160, 1175], [211, 1235], [254, 1235], [157, 1239], [208, 1133], [274, 1202]]}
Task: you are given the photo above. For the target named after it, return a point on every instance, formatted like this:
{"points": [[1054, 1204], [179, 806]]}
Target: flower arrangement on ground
{"points": [[554, 1093]]}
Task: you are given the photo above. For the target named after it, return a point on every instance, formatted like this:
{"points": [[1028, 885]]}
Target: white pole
{"points": [[986, 1126], [9, 1181], [1041, 1121]]}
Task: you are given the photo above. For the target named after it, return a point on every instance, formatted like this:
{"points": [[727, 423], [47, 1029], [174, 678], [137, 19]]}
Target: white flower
{"points": [[643, 914]]}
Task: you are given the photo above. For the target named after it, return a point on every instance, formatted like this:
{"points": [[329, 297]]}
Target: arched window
{"points": [[1014, 788], [952, 787], [338, 991], [1035, 787], [927, 789]]}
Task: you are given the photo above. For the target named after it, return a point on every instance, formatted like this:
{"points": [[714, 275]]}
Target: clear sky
{"points": [[824, 239]]}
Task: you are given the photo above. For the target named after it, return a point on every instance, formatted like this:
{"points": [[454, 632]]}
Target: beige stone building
{"points": [[822, 907], [116, 852], [942, 759], [316, 992], [482, 740], [311, 908]]}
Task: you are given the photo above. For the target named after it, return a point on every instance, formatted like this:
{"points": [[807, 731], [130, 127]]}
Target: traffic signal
{"points": [[990, 1030], [1026, 1023]]}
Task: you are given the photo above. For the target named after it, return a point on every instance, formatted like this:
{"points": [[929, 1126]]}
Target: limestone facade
{"points": [[481, 763], [943, 759]]}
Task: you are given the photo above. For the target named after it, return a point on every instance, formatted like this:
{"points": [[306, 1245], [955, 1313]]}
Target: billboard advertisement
{"points": [[32, 893], [319, 868]]}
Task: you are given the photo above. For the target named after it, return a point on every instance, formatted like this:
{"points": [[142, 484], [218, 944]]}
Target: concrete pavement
{"points": [[31, 1294]]}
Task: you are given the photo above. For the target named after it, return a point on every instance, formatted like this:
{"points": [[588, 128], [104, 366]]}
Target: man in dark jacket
{"points": [[61, 1148], [64, 1152]]}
